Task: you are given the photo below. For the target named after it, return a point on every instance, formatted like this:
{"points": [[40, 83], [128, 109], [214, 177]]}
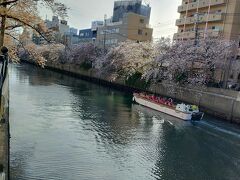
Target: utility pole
{"points": [[196, 39], [227, 72], [105, 31], [196, 17]]}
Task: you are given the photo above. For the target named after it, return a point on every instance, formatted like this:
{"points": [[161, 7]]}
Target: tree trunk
{"points": [[3, 24]]}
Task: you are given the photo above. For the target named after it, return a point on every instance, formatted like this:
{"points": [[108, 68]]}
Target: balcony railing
{"points": [[202, 4], [202, 19], [191, 34]]}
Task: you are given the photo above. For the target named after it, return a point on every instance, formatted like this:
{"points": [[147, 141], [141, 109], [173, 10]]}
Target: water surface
{"points": [[66, 128]]}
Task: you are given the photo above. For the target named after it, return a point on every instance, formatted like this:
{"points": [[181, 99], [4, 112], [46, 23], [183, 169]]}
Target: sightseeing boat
{"points": [[168, 106]]}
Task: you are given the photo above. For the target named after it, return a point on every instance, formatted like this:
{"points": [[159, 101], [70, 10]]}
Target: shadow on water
{"points": [[84, 131]]}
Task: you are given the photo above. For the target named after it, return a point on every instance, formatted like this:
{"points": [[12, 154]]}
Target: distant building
{"points": [[73, 31], [96, 24], [132, 27], [54, 24], [61, 30], [87, 36], [70, 39], [130, 21], [127, 6], [63, 27], [59, 26], [94, 28]]}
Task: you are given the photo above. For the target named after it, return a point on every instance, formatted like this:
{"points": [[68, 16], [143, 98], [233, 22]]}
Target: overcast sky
{"points": [[163, 16]]}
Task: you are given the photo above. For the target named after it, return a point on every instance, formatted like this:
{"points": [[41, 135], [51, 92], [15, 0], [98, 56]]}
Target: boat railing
{"points": [[159, 100]]}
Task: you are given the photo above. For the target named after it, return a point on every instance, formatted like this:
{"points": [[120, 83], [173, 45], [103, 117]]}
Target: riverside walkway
{"points": [[4, 116]]}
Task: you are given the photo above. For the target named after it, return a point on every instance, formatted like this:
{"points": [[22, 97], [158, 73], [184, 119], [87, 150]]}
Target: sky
{"points": [[82, 12]]}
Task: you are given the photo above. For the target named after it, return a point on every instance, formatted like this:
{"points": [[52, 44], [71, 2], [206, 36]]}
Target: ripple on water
{"points": [[65, 128]]}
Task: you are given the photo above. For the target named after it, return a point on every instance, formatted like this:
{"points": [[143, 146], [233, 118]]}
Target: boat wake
{"points": [[217, 128]]}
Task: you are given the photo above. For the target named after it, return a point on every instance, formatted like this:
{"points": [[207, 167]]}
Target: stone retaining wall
{"points": [[218, 102]]}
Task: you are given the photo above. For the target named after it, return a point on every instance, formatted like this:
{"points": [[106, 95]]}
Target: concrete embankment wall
{"points": [[4, 130], [218, 102]]}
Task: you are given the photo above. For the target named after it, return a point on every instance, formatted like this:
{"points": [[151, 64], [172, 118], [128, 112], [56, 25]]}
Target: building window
{"points": [[238, 57], [111, 41], [239, 78], [140, 32], [146, 34], [142, 21], [110, 31]]}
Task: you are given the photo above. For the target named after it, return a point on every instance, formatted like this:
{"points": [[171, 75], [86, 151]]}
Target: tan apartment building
{"points": [[131, 27], [210, 17]]}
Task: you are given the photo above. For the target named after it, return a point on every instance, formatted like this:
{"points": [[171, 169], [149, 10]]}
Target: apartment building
{"points": [[130, 21], [132, 27], [210, 18], [126, 6]]}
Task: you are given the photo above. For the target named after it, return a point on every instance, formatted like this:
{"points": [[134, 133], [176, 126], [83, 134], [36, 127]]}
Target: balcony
{"points": [[191, 34], [202, 4], [202, 19]]}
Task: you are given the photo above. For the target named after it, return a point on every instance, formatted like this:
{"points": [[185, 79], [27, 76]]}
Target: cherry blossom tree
{"points": [[176, 64], [156, 69], [125, 59], [85, 53], [186, 64], [23, 14], [41, 54]]}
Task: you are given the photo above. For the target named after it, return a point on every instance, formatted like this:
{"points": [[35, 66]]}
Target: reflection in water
{"points": [[66, 128]]}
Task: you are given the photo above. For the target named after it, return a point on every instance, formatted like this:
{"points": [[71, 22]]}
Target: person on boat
{"points": [[160, 100], [194, 107], [170, 102]]}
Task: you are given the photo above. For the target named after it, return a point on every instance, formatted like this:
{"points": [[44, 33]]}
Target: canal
{"points": [[70, 129]]}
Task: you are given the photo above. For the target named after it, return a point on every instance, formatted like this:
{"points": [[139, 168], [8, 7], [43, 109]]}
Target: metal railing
{"points": [[4, 66], [202, 4], [4, 168]]}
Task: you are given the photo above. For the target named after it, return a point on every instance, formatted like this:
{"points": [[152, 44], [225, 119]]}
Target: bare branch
{"points": [[31, 26], [8, 2]]}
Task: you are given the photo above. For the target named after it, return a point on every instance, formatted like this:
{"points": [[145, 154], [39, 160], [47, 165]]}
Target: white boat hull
{"points": [[164, 109]]}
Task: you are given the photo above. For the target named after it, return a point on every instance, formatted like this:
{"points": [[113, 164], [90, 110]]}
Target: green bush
{"points": [[136, 81], [86, 65]]}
